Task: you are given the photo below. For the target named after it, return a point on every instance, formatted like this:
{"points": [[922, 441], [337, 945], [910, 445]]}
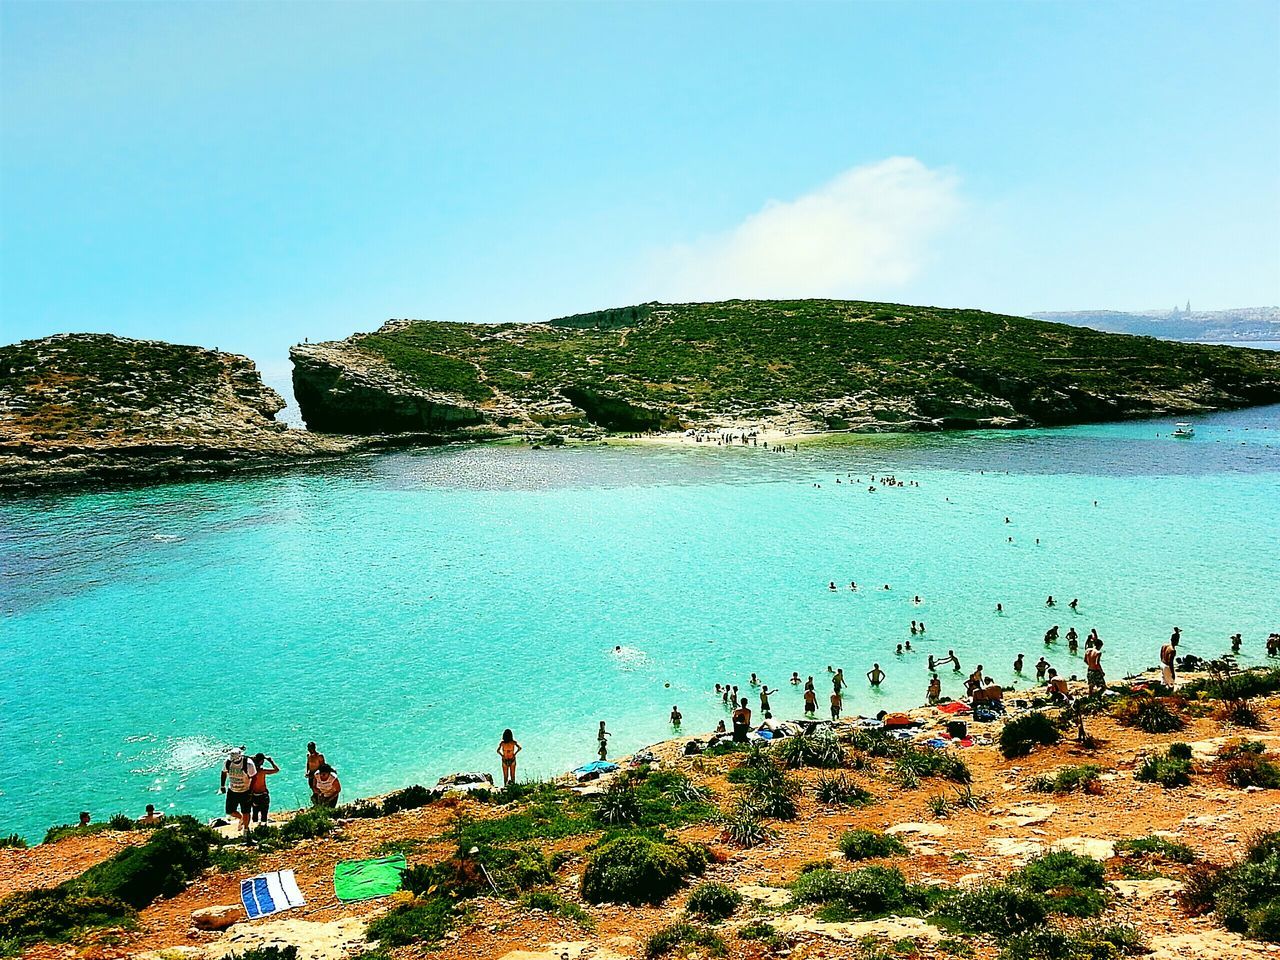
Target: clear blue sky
{"points": [[243, 176]]}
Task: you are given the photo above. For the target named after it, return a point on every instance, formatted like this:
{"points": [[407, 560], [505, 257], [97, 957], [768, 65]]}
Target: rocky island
{"points": [[77, 408], [803, 366]]}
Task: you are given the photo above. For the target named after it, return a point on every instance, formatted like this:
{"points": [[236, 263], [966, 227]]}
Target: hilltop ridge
{"points": [[803, 365]]}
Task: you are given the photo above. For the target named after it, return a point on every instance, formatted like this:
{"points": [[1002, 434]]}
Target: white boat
{"points": [[1184, 430]]}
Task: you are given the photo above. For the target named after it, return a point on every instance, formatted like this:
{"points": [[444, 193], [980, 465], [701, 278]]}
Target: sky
{"points": [[244, 176]]}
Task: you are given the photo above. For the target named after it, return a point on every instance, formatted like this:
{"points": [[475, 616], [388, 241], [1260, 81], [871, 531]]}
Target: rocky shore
{"points": [[1012, 847]]}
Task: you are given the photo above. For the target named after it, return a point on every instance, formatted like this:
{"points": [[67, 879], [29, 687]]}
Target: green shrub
{"points": [[770, 791], [558, 906], [915, 763], [1180, 751], [1071, 883], [1237, 686], [637, 869], [304, 825], [1164, 769], [818, 750], [1151, 714], [423, 921], [1245, 764], [58, 915], [1068, 779], [619, 804], [14, 841], [938, 805], [999, 910], [714, 901], [743, 827], [1160, 848], [1246, 896], [870, 844], [161, 867], [680, 936], [118, 821], [1023, 734], [840, 791], [1089, 943], [410, 798], [763, 932], [865, 892]]}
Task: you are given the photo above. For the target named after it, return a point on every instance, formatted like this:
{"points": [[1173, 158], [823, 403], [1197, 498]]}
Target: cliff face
{"points": [[93, 407], [803, 365]]}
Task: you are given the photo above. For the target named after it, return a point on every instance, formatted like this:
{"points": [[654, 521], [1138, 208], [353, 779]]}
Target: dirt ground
{"points": [[966, 847]]}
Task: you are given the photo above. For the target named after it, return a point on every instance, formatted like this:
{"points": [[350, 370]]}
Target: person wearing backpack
{"points": [[237, 776]]}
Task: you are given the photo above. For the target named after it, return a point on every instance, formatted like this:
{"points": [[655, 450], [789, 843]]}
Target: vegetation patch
{"points": [[639, 869], [423, 921], [840, 791], [870, 844], [161, 867], [682, 937], [1071, 884], [1068, 779], [1157, 848], [1000, 910], [1023, 734], [1171, 768], [558, 906], [1151, 714], [1088, 943], [863, 893], [1245, 897], [821, 750], [713, 901], [59, 915], [1245, 763]]}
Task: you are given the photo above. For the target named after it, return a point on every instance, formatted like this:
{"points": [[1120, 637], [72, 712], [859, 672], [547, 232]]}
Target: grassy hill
{"points": [[827, 364]]}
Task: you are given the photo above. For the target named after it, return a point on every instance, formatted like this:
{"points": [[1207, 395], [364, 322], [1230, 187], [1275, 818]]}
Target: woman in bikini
{"points": [[507, 750]]}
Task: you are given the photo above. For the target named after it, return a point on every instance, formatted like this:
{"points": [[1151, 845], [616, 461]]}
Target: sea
{"points": [[402, 609]]}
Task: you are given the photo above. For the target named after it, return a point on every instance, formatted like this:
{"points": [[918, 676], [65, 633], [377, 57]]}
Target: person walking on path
{"points": [[507, 750], [237, 774], [259, 793]]}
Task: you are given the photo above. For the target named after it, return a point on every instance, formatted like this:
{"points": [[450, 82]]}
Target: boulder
{"points": [[217, 918]]}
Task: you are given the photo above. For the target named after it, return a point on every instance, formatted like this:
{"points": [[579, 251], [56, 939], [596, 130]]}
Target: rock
{"points": [[217, 918], [769, 896], [1026, 814], [1215, 943], [1011, 847], [888, 928], [1087, 847], [1146, 889], [918, 829], [335, 940]]}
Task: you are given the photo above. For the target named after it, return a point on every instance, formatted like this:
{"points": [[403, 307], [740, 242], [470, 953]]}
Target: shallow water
{"points": [[402, 609]]}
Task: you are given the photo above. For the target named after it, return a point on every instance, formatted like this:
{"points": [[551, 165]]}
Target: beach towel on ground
{"points": [[955, 706], [365, 879], [594, 769], [269, 893]]}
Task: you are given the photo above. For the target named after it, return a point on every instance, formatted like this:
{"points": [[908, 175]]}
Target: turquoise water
{"points": [[402, 609]]}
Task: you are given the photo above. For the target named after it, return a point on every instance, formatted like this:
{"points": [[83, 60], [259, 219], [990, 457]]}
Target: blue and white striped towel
{"points": [[269, 893]]}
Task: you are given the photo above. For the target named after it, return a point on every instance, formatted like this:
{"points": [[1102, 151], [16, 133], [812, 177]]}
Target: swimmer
{"points": [[676, 716], [908, 644], [808, 684], [795, 678], [914, 628], [922, 626], [875, 675], [765, 694], [837, 681], [1235, 643], [1041, 666], [1010, 539], [999, 608], [933, 663], [810, 701], [1074, 604], [1051, 602], [886, 586], [831, 585], [853, 585], [837, 702], [1017, 664], [755, 681], [917, 601], [1051, 635]]}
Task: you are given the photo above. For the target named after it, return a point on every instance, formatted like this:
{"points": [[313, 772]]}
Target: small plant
{"points": [[999, 910], [764, 933], [14, 841], [1071, 883], [714, 901], [1244, 763], [557, 906], [867, 891], [271, 952], [422, 921], [619, 804], [1159, 848], [743, 828], [1068, 779], [637, 869], [968, 800], [870, 844], [939, 806], [1165, 769], [838, 790], [118, 821], [1090, 943], [1151, 714], [410, 798], [770, 791], [1023, 734], [680, 936], [817, 750]]}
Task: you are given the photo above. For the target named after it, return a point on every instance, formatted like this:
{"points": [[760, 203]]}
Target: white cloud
{"points": [[866, 232]]}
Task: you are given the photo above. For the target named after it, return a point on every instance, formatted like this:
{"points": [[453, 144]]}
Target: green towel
{"points": [[364, 879]]}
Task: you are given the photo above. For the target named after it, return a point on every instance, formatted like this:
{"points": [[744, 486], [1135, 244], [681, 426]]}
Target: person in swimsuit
{"points": [[1093, 660], [810, 701], [875, 675], [1074, 604], [314, 760], [676, 716], [260, 795], [741, 722], [999, 608], [151, 818], [935, 690], [837, 702], [508, 747], [765, 694], [1017, 664], [1042, 665], [602, 741]]}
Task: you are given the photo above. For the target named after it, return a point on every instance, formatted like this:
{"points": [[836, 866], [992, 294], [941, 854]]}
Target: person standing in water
{"points": [[676, 716], [741, 722], [326, 787], [810, 701], [837, 702], [508, 747], [314, 759], [765, 694], [1017, 664], [935, 690], [602, 742], [875, 675], [1042, 667]]}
